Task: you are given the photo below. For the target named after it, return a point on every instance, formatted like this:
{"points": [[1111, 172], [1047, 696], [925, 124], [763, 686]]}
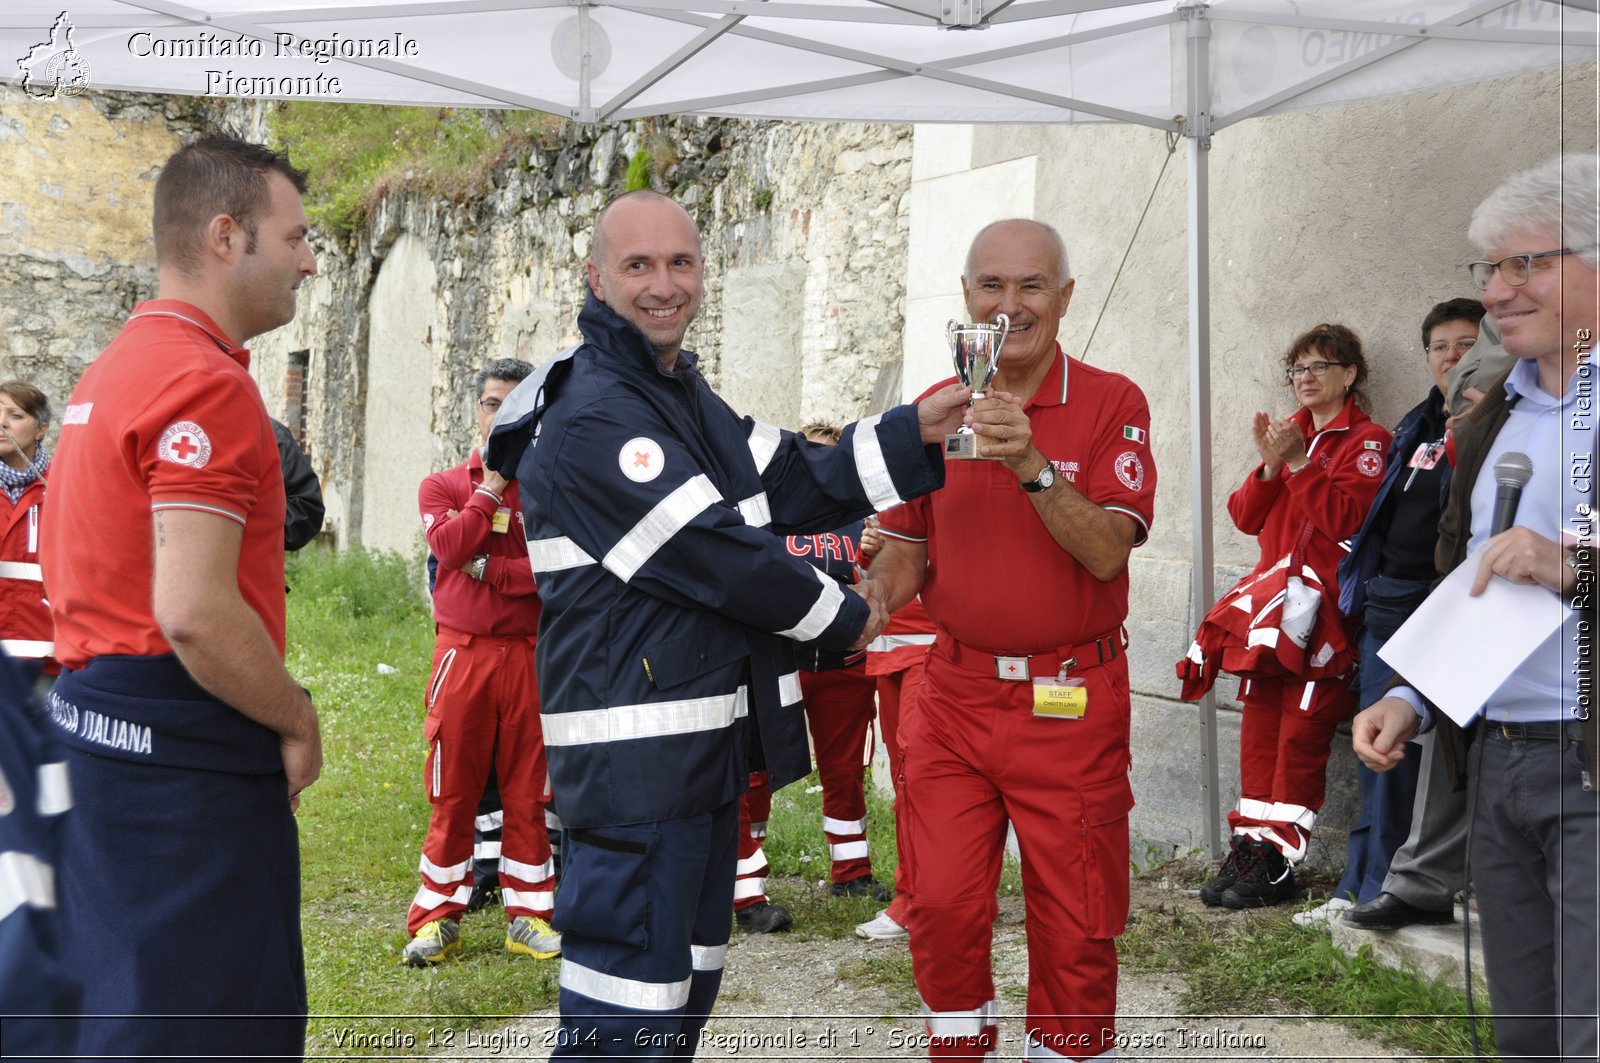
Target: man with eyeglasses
{"points": [[1535, 823], [483, 702]]}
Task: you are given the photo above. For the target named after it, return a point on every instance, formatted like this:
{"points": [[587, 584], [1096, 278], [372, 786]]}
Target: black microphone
{"points": [[1511, 474]]}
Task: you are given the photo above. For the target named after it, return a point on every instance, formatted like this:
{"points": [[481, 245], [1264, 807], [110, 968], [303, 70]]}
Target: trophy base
{"points": [[962, 446]]}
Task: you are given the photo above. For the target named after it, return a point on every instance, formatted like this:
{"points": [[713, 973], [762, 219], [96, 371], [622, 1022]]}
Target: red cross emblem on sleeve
{"points": [[184, 443]]}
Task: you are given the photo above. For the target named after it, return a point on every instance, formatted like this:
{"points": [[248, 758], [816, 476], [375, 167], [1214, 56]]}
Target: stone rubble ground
{"points": [[784, 999]]}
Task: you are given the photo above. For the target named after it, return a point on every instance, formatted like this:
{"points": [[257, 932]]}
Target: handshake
{"points": [[877, 600]]}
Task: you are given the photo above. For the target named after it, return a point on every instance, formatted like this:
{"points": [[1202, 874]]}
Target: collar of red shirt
{"points": [[177, 308], [1053, 388], [1341, 420]]}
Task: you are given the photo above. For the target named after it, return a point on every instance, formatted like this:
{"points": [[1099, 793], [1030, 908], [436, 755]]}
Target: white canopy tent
{"points": [[1190, 69]]}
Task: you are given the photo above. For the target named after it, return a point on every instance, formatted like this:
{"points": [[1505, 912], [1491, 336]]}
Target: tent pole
{"points": [[1197, 130]]}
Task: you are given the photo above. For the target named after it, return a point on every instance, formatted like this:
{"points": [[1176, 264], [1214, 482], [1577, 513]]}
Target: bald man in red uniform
{"points": [[1024, 711]]}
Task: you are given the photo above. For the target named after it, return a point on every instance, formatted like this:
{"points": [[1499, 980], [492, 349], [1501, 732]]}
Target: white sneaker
{"points": [[1323, 915], [881, 928]]}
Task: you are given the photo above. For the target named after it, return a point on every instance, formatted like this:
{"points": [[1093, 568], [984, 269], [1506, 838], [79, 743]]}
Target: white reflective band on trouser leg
{"points": [[822, 611], [1250, 808], [430, 899], [25, 879], [745, 888], [960, 1023], [443, 875], [756, 861], [486, 851], [623, 992], [28, 647], [1035, 1050], [492, 821], [528, 872], [651, 720], [538, 900], [708, 957], [843, 826], [657, 527], [848, 851], [870, 464]]}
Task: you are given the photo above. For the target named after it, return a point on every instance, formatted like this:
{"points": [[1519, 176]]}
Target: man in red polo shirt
{"points": [[163, 548], [1024, 712], [483, 703]]}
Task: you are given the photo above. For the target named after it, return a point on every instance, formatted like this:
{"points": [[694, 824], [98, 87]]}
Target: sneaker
{"points": [[865, 886], [1211, 893], [528, 935], [1324, 915], [763, 917], [1265, 877], [881, 928], [435, 942], [485, 891]]}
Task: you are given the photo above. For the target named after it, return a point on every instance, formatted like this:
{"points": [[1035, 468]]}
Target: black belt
{"points": [[1533, 732]]}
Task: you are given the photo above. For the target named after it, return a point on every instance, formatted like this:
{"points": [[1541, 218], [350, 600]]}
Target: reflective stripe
{"points": [[25, 879], [758, 830], [623, 992], [21, 570], [486, 850], [444, 875], [871, 467], [848, 851], [885, 643], [764, 441], [551, 820], [754, 863], [624, 722], [492, 821], [1262, 636], [746, 888], [822, 611], [708, 957], [843, 826], [658, 526], [55, 790], [555, 555], [28, 647], [538, 900], [1250, 808], [1299, 815], [528, 872], [789, 689], [1305, 696], [428, 900], [756, 511], [439, 676], [960, 1023]]}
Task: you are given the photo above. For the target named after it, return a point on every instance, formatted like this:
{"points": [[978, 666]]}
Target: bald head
{"points": [[645, 264], [628, 202], [1008, 229]]}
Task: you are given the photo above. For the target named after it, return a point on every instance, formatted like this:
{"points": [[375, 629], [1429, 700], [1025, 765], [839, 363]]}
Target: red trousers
{"points": [[750, 876], [839, 708], [483, 704], [1285, 732], [897, 698], [976, 759]]}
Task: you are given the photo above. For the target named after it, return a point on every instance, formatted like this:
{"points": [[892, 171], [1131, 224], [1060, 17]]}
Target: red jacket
{"points": [[1333, 492], [25, 627], [458, 521]]}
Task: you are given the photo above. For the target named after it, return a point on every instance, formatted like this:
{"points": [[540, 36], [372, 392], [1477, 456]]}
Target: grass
{"points": [[362, 825]]}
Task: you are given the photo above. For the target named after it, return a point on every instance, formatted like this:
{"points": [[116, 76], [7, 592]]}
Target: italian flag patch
{"points": [[1135, 434]]}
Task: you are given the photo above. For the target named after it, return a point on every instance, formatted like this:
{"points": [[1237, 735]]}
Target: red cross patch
{"points": [[184, 443], [641, 459]]}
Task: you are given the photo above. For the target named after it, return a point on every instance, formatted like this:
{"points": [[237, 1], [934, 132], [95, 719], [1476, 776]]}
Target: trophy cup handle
{"points": [[950, 331], [1005, 325]]}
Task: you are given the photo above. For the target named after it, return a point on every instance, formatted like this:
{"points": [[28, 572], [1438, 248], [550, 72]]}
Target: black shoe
{"points": [[865, 886], [1211, 893], [485, 891], [1265, 877], [1388, 912], [763, 918]]}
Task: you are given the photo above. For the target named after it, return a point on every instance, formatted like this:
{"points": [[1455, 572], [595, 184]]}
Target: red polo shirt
{"points": [[459, 522], [996, 579], [167, 417]]}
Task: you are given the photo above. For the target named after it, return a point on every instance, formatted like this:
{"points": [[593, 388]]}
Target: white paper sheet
{"points": [[1457, 650]]}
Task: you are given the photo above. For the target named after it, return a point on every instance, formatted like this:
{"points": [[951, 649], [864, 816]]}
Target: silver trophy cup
{"points": [[976, 350]]}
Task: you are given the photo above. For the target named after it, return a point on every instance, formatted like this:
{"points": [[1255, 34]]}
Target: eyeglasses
{"points": [[1459, 346], [1316, 369], [1514, 270], [491, 405]]}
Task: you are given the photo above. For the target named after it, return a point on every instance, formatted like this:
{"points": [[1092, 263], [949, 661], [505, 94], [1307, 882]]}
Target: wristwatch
{"points": [[479, 563], [1042, 482]]}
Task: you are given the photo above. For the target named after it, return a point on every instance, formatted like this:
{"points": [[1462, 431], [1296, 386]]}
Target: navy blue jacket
{"points": [[1366, 546], [666, 653]]}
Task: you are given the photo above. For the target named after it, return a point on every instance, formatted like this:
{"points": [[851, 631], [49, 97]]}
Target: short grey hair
{"points": [[1064, 273], [514, 370], [1559, 194]]}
